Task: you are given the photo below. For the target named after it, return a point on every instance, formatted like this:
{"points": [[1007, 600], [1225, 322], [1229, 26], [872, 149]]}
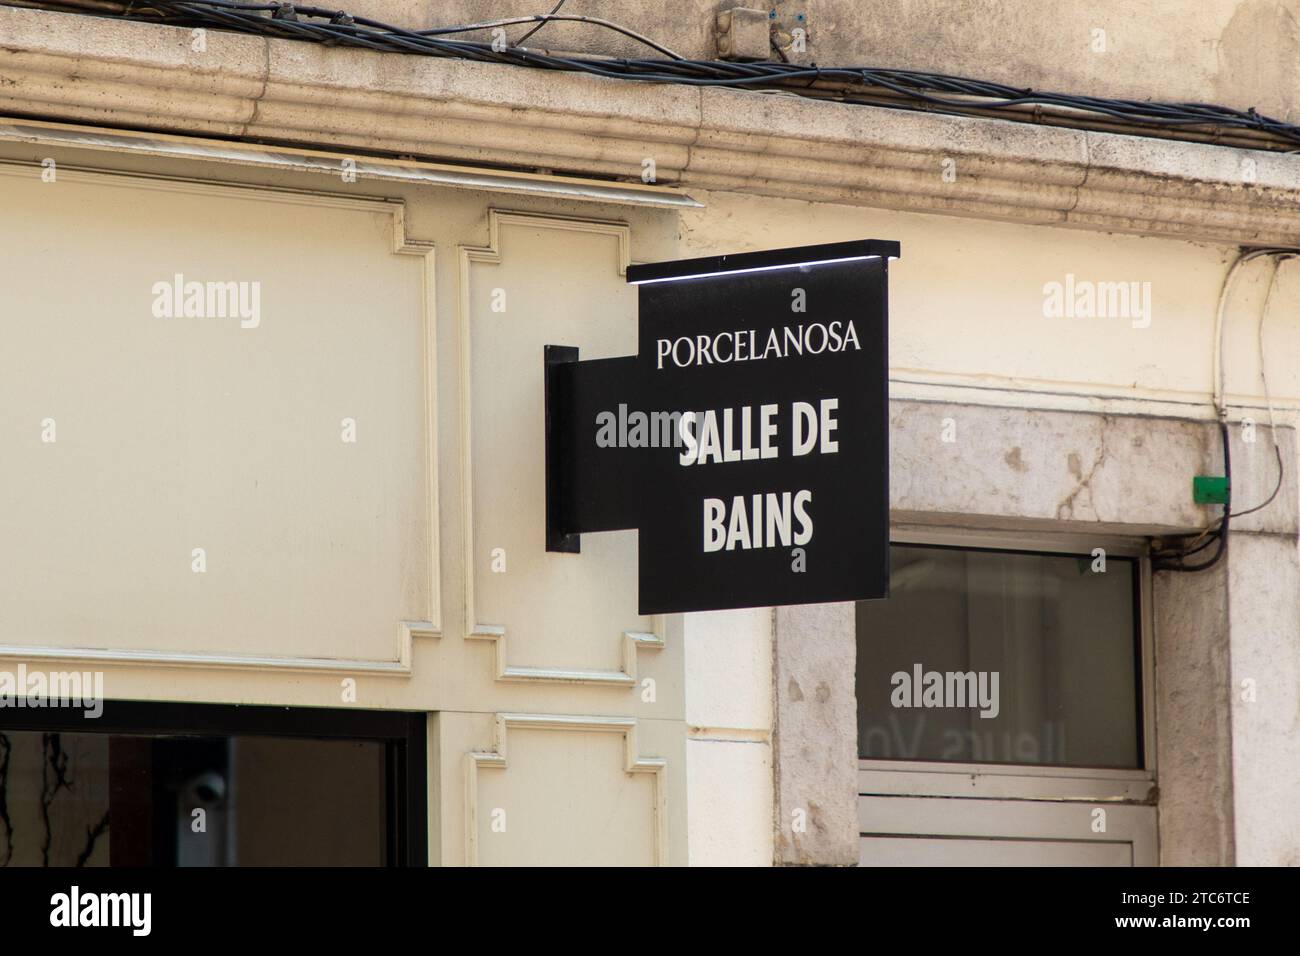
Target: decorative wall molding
{"points": [[142, 76], [633, 762], [400, 667], [475, 629], [729, 735], [372, 168], [402, 244], [626, 677], [931, 385]]}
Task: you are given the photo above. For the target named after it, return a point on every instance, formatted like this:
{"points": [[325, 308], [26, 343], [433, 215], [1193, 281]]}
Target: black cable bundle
{"points": [[1177, 560], [336, 28]]}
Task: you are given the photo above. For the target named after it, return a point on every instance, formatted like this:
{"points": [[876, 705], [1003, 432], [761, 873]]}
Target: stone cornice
{"points": [[109, 72]]}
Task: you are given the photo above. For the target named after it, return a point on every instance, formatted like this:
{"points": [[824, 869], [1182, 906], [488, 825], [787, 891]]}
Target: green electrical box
{"points": [[1210, 490]]}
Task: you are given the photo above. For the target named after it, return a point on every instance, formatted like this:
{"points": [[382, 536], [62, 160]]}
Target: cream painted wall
{"points": [[173, 434], [602, 812], [553, 608], [729, 750], [966, 306]]}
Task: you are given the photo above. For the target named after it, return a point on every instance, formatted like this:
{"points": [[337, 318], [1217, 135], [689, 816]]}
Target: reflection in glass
{"points": [[1000, 657], [90, 799]]}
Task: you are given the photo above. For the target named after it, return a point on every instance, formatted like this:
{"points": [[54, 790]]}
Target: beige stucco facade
{"points": [[360, 463]]}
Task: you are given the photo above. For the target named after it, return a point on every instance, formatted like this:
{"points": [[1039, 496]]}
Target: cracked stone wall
{"points": [[1053, 469], [1264, 634], [1192, 654], [815, 735]]}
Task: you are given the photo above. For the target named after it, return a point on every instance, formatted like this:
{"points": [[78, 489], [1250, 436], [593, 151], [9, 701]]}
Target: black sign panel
{"points": [[748, 438]]}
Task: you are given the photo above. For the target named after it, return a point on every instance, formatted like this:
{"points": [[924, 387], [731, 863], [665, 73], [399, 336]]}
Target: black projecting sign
{"points": [[748, 440]]}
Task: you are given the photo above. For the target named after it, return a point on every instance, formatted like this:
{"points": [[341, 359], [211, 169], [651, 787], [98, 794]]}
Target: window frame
{"points": [[403, 734], [1033, 781]]}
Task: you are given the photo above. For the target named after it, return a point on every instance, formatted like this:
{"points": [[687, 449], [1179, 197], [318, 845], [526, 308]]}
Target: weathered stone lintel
{"points": [[144, 76]]}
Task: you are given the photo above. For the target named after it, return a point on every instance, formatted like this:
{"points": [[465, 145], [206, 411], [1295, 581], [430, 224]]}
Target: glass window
{"points": [[205, 785], [1003, 657]]}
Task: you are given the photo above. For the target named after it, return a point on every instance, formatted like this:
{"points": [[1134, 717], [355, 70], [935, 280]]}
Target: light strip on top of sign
{"points": [[765, 260], [733, 272]]}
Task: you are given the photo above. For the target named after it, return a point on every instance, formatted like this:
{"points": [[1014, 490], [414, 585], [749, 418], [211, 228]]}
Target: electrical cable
{"points": [[1263, 376], [546, 18], [1221, 534], [1276, 488], [554, 10], [878, 86], [1166, 560]]}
